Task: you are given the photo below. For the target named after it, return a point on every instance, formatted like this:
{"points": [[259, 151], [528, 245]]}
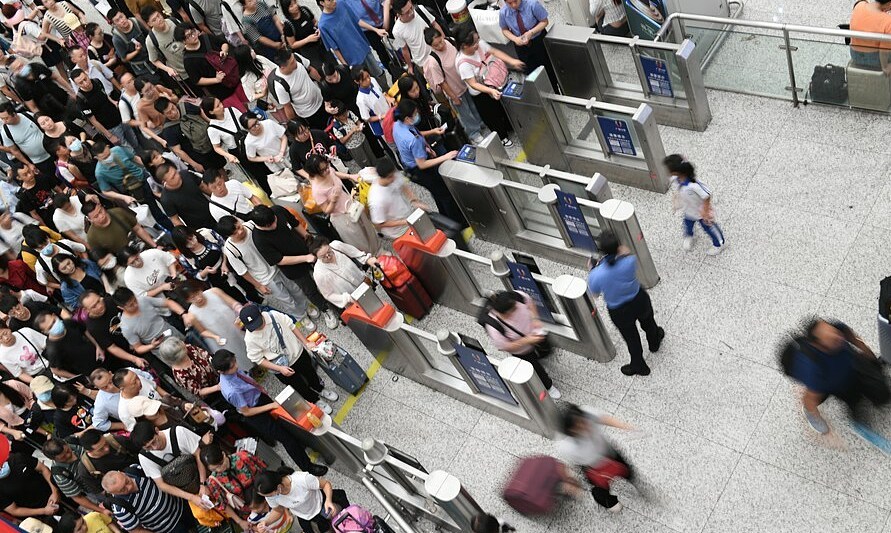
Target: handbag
{"points": [[360, 190], [235, 501], [132, 184], [492, 71], [602, 474], [24, 45], [283, 183], [355, 210], [182, 470], [310, 207], [228, 66]]}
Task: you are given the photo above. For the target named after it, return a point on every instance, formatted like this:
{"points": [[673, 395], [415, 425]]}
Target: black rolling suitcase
{"points": [[451, 229]]}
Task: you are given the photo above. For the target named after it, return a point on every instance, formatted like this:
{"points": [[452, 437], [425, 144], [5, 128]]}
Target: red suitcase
{"points": [[534, 486], [406, 291]]}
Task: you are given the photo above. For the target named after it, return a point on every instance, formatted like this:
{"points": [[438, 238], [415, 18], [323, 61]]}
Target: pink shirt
{"points": [[7, 415], [331, 189], [434, 73], [520, 319]]}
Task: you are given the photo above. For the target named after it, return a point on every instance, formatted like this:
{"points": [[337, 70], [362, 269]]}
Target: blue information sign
{"points": [[574, 221], [513, 90], [658, 78], [617, 135], [483, 373], [521, 280]]}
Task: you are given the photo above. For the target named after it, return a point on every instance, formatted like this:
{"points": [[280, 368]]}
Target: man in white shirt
{"points": [[274, 341], [147, 271], [391, 200], [11, 225], [229, 197], [247, 262], [408, 35], [292, 83], [132, 384], [157, 445]]}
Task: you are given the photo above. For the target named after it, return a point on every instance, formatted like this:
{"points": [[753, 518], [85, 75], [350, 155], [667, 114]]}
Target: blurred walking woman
{"points": [[615, 276], [309, 498], [694, 200]]}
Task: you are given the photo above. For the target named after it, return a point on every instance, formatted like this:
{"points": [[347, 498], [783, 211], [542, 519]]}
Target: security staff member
{"points": [[524, 23]]}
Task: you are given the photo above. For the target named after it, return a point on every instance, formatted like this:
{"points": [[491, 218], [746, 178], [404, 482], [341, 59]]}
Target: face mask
{"points": [[415, 120], [45, 397], [47, 250], [76, 146], [57, 329], [110, 264], [4, 470]]}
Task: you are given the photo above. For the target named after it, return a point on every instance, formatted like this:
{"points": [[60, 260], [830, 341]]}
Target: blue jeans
{"points": [[374, 68], [868, 60], [713, 230], [468, 115]]}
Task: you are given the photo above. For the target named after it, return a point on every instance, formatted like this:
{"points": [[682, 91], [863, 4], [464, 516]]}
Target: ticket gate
{"points": [[460, 280], [399, 482], [452, 364], [586, 135], [543, 221], [666, 76]]}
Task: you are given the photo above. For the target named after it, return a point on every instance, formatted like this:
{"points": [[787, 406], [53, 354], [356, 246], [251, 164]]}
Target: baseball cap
{"points": [[251, 317], [142, 406], [42, 386]]}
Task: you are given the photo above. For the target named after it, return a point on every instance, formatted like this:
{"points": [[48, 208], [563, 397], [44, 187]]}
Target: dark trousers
{"points": [[535, 55], [311, 291], [268, 427], [621, 31], [305, 379], [532, 357], [626, 316], [493, 115], [430, 179], [378, 46], [603, 496], [319, 119], [186, 522]]}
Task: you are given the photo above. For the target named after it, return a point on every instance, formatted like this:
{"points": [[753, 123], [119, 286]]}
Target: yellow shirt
{"points": [[29, 258], [97, 523]]}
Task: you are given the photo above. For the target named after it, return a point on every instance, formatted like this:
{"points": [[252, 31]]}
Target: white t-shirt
{"points": [[268, 143], [21, 356], [305, 96], [305, 499], [389, 203], [691, 196], [412, 34], [129, 112], [221, 138], [186, 441], [469, 70], [372, 102], [151, 274], [147, 390], [244, 257], [41, 272], [68, 222], [238, 199], [11, 239], [584, 450]]}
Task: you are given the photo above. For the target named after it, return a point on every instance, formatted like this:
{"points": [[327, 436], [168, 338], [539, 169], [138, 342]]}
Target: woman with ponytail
{"points": [[615, 276], [694, 200], [309, 498]]}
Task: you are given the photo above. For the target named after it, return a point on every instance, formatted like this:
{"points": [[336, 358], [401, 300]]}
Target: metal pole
{"points": [[346, 460], [499, 268], [445, 343], [376, 455], [583, 317], [453, 498], [527, 388], [392, 511], [623, 221], [791, 66]]}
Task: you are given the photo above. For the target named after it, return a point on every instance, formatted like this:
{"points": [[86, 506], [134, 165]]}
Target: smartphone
{"points": [[445, 127], [167, 333], [221, 342]]}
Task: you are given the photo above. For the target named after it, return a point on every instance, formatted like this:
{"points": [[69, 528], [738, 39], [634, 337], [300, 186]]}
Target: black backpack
{"points": [[829, 84]]}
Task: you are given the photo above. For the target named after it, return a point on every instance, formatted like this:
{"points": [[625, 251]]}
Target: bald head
{"points": [[116, 483]]}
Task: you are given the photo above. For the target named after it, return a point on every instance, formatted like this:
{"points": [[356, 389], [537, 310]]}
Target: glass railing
{"points": [[785, 61]]}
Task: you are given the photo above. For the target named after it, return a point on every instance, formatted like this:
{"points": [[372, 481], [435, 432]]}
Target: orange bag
{"points": [[396, 274]]}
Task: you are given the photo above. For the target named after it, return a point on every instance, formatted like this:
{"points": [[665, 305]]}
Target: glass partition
{"points": [[579, 124], [481, 274], [535, 215], [620, 60]]}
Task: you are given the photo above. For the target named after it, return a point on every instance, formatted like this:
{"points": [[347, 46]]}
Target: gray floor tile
{"points": [[760, 497], [583, 514], [864, 267], [880, 216], [601, 379], [510, 438], [739, 314], [714, 394], [784, 439]]}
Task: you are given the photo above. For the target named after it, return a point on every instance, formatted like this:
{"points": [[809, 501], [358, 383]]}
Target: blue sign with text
{"points": [[658, 78], [574, 221], [617, 135], [483, 373], [521, 280]]}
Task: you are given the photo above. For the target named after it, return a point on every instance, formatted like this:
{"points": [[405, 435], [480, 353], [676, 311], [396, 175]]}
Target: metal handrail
{"points": [[837, 32]]}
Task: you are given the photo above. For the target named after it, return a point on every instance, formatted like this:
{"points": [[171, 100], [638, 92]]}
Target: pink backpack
{"points": [[353, 519], [493, 71]]}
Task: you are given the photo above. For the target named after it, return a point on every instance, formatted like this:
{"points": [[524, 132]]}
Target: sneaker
{"points": [[688, 244], [329, 395], [323, 405], [477, 139], [308, 324], [864, 432], [715, 250], [616, 508], [629, 370], [816, 422], [331, 319], [555, 393], [507, 143], [312, 311], [655, 347]]}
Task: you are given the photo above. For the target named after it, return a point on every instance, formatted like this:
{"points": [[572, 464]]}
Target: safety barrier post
{"points": [[528, 389], [582, 314], [453, 498], [621, 218]]}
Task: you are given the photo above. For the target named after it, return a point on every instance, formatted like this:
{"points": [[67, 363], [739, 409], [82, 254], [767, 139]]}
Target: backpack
{"points": [[239, 134], [227, 66], [353, 519], [387, 124], [181, 471], [492, 73], [194, 128], [270, 82]]}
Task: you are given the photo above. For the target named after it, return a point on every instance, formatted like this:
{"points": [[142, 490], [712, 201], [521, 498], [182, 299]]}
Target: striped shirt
{"points": [[148, 508], [65, 474], [612, 12]]}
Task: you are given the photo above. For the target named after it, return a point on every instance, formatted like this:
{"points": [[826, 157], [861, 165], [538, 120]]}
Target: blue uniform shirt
{"points": [[410, 143], [618, 282], [340, 31], [530, 11], [358, 9], [238, 392], [827, 373]]}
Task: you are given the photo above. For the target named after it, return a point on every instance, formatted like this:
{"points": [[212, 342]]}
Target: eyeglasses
{"points": [[254, 125]]}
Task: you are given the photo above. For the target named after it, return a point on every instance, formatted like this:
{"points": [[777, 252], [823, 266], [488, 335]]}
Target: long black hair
{"points": [[678, 164], [268, 480], [246, 61], [14, 396], [181, 235]]}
